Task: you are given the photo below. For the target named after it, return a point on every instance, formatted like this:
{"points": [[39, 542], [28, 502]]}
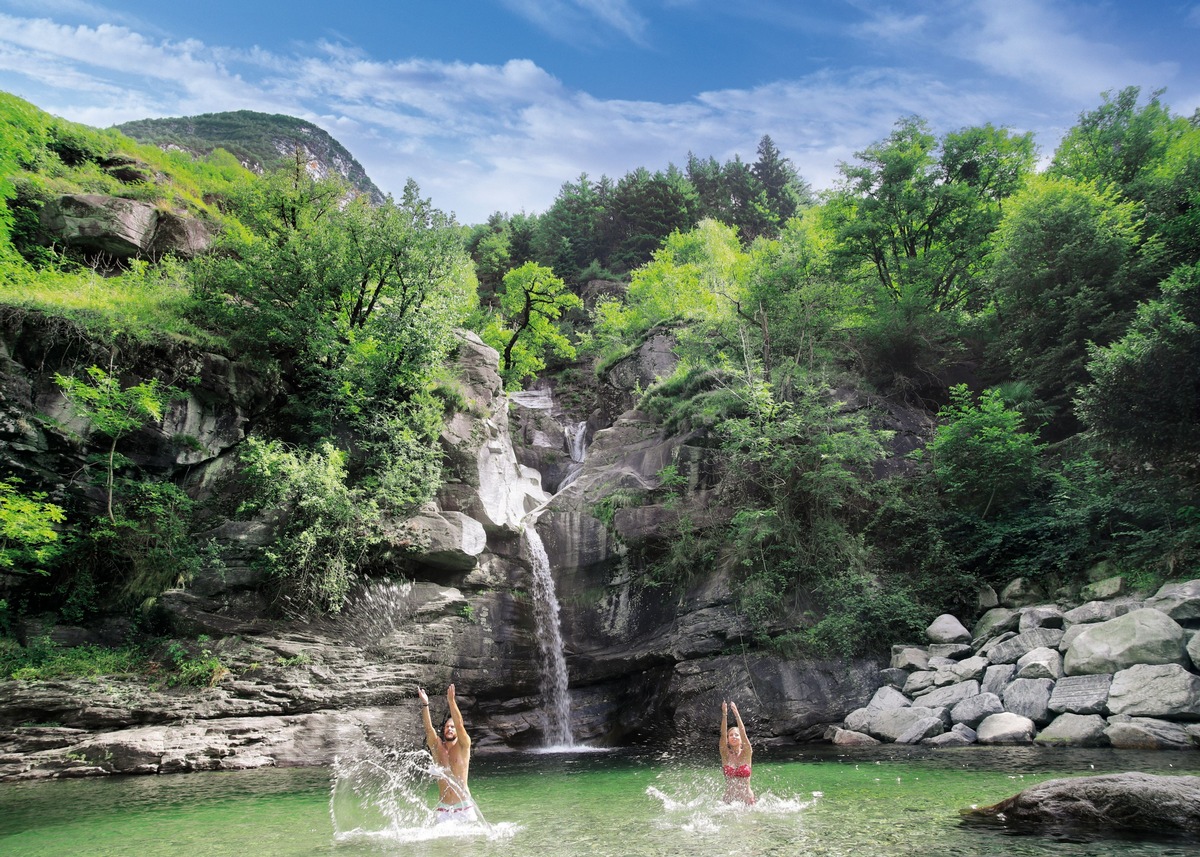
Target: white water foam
{"points": [[556, 703]]}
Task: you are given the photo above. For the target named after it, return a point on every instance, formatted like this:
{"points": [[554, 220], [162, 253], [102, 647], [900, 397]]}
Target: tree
{"points": [[982, 456], [918, 216], [112, 411], [786, 191], [1143, 399], [531, 301], [1061, 278]]}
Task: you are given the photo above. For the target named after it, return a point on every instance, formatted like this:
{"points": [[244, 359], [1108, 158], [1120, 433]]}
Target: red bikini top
{"points": [[739, 771]]}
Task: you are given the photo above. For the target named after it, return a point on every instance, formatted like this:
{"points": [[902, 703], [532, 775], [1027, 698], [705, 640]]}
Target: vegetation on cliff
{"points": [[1048, 320]]}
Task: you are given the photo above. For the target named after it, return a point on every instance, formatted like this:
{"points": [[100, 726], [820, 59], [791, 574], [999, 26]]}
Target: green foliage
{"points": [[28, 538], [531, 300], [325, 530], [1062, 278], [194, 665], [605, 509], [1142, 399], [112, 411], [43, 660], [983, 458]]}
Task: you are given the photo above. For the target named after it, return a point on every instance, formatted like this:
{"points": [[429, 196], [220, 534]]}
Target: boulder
{"points": [[951, 651], [893, 677], [919, 682], [1021, 592], [890, 724], [972, 710], [996, 678], [1006, 728], [850, 738], [1147, 733], [1040, 663], [1092, 611], [1131, 803], [450, 541], [972, 669], [948, 739], [996, 621], [986, 598], [1156, 690], [1180, 601], [1047, 616], [1069, 637], [1101, 590], [1029, 697], [1193, 650], [919, 730], [946, 697], [1074, 730], [1010, 651], [859, 720], [1141, 637], [947, 629], [909, 658], [1082, 694], [888, 697]]}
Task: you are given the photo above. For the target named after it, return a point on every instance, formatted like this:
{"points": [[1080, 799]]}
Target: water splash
{"points": [[385, 796], [556, 703], [692, 803]]}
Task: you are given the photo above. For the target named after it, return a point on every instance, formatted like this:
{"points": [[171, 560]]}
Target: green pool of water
{"points": [[900, 801]]}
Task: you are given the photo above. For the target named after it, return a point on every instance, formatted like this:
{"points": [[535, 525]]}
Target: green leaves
{"points": [[982, 456], [531, 300], [28, 538]]}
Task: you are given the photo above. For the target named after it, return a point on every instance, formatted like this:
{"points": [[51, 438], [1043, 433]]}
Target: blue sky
{"points": [[493, 104]]}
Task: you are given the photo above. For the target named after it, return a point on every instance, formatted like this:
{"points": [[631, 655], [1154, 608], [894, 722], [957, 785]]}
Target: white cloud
{"points": [[575, 20]]}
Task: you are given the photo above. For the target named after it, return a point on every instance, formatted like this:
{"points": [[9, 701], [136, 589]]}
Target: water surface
{"points": [[823, 801]]}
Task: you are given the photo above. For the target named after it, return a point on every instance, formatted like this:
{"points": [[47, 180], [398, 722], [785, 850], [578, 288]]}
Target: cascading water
{"points": [[576, 434], [555, 700]]}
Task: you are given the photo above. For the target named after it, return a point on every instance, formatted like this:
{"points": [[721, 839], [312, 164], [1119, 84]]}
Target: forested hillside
{"points": [[1047, 318]]}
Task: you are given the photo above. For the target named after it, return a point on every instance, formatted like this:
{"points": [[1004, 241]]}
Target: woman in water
{"points": [[735, 757]]}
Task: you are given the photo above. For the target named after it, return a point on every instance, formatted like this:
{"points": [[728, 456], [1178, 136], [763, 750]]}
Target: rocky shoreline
{"points": [[1114, 671]]}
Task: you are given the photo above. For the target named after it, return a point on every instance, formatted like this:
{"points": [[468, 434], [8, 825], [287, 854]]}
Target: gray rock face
{"points": [[1193, 650], [1156, 690], [920, 682], [1116, 803], [1140, 637], [1029, 697], [123, 228], [951, 651], [1006, 728], [1074, 730], [1084, 694], [947, 629]]}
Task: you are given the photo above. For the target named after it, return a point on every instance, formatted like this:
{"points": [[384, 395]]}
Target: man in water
{"points": [[451, 749]]}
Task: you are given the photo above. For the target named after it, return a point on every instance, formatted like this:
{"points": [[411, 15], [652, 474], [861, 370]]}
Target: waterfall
{"points": [[556, 703], [576, 434]]}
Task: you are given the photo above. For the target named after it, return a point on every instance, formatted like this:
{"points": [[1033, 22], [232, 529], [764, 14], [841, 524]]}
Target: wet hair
{"points": [[442, 728]]}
